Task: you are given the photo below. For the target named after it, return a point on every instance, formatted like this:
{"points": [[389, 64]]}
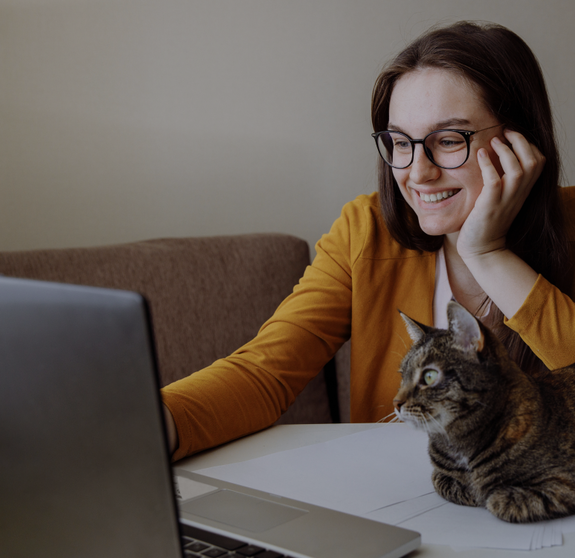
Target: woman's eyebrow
{"points": [[449, 123]]}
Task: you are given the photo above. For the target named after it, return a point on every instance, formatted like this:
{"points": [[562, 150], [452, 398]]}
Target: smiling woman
{"points": [[495, 240], [468, 208], [424, 101]]}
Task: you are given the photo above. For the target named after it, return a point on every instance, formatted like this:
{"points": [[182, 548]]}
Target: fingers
{"points": [[528, 155], [509, 171], [491, 179], [521, 162]]}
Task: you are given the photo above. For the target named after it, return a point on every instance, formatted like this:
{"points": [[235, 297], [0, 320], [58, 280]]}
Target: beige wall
{"points": [[124, 120]]}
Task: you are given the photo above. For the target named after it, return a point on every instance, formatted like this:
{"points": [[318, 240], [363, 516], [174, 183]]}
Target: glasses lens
{"points": [[395, 148], [448, 148]]}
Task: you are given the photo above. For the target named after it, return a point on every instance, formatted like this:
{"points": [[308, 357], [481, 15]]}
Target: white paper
{"points": [[402, 511], [385, 474], [462, 526], [356, 474], [567, 524]]}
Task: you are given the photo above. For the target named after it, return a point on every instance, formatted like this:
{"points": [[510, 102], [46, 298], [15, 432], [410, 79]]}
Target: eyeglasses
{"points": [[447, 149]]}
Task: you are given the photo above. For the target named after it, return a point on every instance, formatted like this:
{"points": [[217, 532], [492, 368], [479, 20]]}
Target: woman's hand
{"points": [[504, 277], [171, 429], [501, 198]]}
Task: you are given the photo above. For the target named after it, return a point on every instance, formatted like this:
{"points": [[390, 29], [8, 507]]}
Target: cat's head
{"points": [[448, 375]]}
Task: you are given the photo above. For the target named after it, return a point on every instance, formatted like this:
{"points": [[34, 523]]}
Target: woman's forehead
{"points": [[432, 98]]}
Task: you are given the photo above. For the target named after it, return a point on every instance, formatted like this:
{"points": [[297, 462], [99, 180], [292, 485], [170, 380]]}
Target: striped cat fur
{"points": [[498, 437]]}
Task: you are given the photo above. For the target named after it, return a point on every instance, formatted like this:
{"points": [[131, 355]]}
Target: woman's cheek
{"points": [[401, 179]]}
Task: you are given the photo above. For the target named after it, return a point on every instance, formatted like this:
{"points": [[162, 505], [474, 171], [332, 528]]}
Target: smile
{"points": [[437, 197]]}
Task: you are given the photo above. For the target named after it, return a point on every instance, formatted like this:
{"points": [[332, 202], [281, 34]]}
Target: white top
{"points": [[443, 293]]}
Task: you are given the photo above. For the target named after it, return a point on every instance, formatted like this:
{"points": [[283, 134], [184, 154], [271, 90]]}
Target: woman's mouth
{"points": [[437, 196]]}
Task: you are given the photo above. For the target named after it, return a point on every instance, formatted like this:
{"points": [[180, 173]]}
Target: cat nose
{"points": [[397, 403]]}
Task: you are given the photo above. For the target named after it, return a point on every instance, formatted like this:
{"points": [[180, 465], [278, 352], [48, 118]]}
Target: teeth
{"points": [[439, 196]]}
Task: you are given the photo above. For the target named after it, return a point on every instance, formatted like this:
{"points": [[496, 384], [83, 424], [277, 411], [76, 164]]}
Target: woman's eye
{"points": [[430, 376], [451, 143], [402, 144]]}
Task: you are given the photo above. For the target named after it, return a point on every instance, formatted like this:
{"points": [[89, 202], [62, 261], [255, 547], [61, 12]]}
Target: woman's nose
{"points": [[422, 169]]}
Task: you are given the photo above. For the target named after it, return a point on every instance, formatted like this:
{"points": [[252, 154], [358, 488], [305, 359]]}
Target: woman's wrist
{"points": [[504, 277], [171, 430]]}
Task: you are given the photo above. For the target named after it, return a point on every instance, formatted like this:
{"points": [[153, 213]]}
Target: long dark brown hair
{"points": [[512, 87]]}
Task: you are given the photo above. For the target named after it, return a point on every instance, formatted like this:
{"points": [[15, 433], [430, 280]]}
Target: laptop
{"points": [[84, 465]]}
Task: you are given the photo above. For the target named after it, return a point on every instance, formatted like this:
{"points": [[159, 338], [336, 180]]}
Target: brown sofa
{"points": [[207, 297]]}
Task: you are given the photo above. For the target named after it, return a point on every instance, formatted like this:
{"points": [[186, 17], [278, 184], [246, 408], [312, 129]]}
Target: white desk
{"points": [[284, 437]]}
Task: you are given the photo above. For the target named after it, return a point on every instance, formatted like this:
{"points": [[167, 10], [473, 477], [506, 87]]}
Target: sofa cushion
{"points": [[207, 296]]}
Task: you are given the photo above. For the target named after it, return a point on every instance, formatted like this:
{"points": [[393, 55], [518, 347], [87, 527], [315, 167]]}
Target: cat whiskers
{"points": [[403, 341], [396, 418], [439, 425], [422, 421], [426, 421], [415, 417]]}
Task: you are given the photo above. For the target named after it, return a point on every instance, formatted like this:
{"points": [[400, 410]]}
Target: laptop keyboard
{"points": [[199, 543]]}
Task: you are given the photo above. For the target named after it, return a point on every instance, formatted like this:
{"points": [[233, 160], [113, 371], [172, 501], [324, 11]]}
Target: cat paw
{"points": [[522, 505], [453, 490]]}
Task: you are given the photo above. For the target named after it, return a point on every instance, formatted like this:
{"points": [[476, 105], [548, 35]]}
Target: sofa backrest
{"points": [[207, 296]]}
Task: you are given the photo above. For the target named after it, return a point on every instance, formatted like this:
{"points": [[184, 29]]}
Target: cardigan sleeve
{"points": [[546, 319], [249, 390], [546, 322]]}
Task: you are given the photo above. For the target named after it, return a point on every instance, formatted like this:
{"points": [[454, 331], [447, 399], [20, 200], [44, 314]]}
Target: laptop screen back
{"points": [[83, 466]]}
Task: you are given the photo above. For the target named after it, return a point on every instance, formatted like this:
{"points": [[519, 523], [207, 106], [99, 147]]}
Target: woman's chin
{"points": [[434, 228]]}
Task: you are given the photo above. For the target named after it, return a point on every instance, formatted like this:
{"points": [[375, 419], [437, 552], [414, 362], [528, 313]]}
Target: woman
{"points": [[468, 207]]}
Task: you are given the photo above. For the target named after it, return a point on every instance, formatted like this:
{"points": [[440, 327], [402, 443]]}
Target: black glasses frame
{"points": [[465, 133]]}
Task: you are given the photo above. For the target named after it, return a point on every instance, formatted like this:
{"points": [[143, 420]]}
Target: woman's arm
{"points": [[537, 310], [171, 429], [250, 389], [503, 276]]}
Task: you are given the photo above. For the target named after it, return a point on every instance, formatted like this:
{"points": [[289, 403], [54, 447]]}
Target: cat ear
{"points": [[464, 327], [416, 330]]}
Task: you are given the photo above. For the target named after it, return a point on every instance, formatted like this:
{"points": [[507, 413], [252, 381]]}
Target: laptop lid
{"points": [[84, 467], [82, 471]]}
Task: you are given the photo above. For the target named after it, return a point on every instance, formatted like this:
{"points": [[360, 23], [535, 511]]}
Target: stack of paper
{"points": [[385, 474]]}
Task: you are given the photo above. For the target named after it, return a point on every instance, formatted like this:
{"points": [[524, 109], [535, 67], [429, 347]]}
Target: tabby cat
{"points": [[498, 437]]}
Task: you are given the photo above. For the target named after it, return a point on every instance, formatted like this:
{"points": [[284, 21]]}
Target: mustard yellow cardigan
{"points": [[357, 282]]}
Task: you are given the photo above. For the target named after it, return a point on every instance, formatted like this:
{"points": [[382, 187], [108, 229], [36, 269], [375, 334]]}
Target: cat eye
{"points": [[430, 376]]}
